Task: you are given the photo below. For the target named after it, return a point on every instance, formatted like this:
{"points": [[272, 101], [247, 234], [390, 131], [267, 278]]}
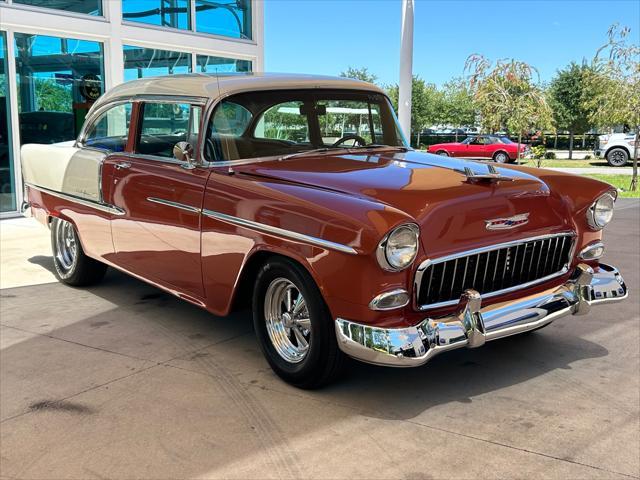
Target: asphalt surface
{"points": [[124, 381]]}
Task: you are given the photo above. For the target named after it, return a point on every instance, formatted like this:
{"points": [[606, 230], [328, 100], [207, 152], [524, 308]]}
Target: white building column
{"points": [[406, 67], [113, 53]]}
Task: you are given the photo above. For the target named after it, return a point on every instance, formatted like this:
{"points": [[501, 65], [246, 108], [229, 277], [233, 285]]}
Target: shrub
{"points": [[550, 155]]}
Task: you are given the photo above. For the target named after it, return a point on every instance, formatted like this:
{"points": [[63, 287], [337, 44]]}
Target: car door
{"points": [[158, 235], [474, 149]]}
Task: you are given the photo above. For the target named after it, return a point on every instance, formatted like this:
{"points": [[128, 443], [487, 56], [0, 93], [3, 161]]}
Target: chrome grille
{"points": [[492, 270]]}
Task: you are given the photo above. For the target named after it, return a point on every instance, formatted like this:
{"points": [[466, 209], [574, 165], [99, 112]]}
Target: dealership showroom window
{"points": [[59, 75]]}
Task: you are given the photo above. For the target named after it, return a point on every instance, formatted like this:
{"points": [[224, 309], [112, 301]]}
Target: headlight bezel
{"points": [[381, 250], [591, 211]]}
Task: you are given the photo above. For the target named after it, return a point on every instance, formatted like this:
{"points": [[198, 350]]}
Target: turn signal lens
{"points": [[592, 252]]}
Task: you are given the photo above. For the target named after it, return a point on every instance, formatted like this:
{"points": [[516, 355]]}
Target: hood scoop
{"points": [[493, 176]]}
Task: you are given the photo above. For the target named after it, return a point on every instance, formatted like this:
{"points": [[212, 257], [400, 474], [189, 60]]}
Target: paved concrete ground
{"points": [[124, 381]]}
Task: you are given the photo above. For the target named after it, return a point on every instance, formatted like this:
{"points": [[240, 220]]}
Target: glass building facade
{"points": [[49, 78]]}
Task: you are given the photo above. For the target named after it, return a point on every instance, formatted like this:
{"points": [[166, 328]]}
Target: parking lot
{"points": [[124, 381]]}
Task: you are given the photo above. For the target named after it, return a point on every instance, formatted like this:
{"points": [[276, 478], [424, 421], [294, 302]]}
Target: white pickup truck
{"points": [[616, 148]]}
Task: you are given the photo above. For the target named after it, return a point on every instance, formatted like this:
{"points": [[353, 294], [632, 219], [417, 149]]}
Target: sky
{"points": [[328, 36]]}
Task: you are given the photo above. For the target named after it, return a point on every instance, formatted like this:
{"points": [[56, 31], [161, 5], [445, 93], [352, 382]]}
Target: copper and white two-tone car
{"points": [[298, 197]]}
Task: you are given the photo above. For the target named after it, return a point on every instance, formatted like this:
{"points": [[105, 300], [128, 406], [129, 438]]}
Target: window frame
{"points": [[94, 117], [137, 130]]}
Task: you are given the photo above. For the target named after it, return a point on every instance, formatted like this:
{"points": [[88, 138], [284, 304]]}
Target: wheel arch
{"points": [[495, 154], [622, 147], [245, 284]]}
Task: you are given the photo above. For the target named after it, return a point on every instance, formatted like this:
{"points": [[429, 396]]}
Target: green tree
{"points": [[51, 96], [459, 107], [508, 96], [426, 104], [615, 82], [568, 93], [361, 73]]}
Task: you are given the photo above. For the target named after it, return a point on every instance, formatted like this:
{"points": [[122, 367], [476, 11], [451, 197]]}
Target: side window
{"points": [[284, 121], [230, 119], [111, 130], [165, 124]]}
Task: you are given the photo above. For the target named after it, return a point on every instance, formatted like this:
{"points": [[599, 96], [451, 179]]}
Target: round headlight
{"points": [[398, 249], [601, 212]]}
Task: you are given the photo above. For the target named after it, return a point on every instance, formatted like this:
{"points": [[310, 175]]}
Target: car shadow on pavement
{"points": [[132, 318], [44, 261]]}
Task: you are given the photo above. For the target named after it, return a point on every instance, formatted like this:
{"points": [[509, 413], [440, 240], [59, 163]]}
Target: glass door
{"points": [[7, 177]]}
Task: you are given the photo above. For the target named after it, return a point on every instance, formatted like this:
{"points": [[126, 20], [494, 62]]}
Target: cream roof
{"points": [[212, 86]]}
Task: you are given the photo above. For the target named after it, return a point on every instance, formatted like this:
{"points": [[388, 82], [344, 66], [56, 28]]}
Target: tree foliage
{"points": [[615, 83], [568, 94], [507, 95], [426, 103], [458, 102], [361, 73]]}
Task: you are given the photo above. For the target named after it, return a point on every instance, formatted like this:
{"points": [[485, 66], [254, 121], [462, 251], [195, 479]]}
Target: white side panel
{"points": [[63, 168]]}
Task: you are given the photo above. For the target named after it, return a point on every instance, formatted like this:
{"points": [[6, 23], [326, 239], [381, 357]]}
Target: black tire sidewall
{"points": [[609, 154], [321, 325]]}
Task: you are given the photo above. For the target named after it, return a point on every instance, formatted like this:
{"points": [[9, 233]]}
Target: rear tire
{"points": [[617, 157], [72, 266], [501, 157], [294, 327]]}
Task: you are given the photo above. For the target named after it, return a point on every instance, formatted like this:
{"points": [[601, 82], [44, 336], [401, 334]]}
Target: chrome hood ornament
{"points": [[507, 223], [491, 177]]}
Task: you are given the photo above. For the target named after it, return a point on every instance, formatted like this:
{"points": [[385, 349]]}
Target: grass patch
{"points": [[596, 162], [621, 182]]}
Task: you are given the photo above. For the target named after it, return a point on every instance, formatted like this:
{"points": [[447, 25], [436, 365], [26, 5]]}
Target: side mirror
{"points": [[183, 151]]}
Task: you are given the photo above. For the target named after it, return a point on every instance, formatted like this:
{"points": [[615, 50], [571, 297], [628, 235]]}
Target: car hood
{"points": [[433, 190]]}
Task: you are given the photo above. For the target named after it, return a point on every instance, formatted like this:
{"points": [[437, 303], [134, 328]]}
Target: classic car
{"points": [[233, 192], [498, 148]]}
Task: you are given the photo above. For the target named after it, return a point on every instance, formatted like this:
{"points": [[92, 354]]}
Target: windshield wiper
{"points": [[379, 145], [310, 152]]}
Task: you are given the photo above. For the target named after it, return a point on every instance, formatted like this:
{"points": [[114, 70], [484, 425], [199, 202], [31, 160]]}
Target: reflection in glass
{"points": [[164, 13], [142, 62], [89, 7], [230, 18], [208, 64], [7, 185]]}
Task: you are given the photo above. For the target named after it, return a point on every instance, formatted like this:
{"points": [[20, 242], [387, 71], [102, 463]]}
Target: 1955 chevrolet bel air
{"points": [[299, 197]]}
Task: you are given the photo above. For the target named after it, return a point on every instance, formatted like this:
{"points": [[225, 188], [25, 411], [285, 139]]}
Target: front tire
{"points": [[294, 327], [442, 153], [617, 157], [72, 266]]}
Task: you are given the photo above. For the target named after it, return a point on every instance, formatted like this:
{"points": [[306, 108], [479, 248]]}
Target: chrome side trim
{"points": [[169, 203], [103, 207], [426, 263], [280, 232], [471, 325]]}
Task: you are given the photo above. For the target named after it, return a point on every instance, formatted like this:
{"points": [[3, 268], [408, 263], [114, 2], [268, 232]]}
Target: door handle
{"points": [[122, 165]]}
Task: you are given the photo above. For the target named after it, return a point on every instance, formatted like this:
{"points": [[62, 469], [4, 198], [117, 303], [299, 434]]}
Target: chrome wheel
{"points": [[288, 322], [501, 158], [442, 153], [66, 247]]}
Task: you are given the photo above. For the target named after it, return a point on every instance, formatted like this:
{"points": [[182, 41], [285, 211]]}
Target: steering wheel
{"points": [[351, 136]]}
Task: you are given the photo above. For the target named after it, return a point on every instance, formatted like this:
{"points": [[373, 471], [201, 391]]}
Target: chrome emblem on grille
{"points": [[506, 223]]}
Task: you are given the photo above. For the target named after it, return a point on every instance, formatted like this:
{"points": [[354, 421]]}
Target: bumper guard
{"points": [[471, 325]]}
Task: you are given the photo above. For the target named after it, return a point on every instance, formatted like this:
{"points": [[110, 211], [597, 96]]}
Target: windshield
{"points": [[280, 123], [505, 140]]}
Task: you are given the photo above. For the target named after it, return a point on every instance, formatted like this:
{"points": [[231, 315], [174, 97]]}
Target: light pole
{"points": [[406, 68]]}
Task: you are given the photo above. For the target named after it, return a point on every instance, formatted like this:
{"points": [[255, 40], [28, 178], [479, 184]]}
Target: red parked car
{"points": [[298, 197], [491, 147]]}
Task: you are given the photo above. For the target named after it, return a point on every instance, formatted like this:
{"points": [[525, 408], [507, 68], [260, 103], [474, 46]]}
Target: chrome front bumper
{"points": [[471, 325]]}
